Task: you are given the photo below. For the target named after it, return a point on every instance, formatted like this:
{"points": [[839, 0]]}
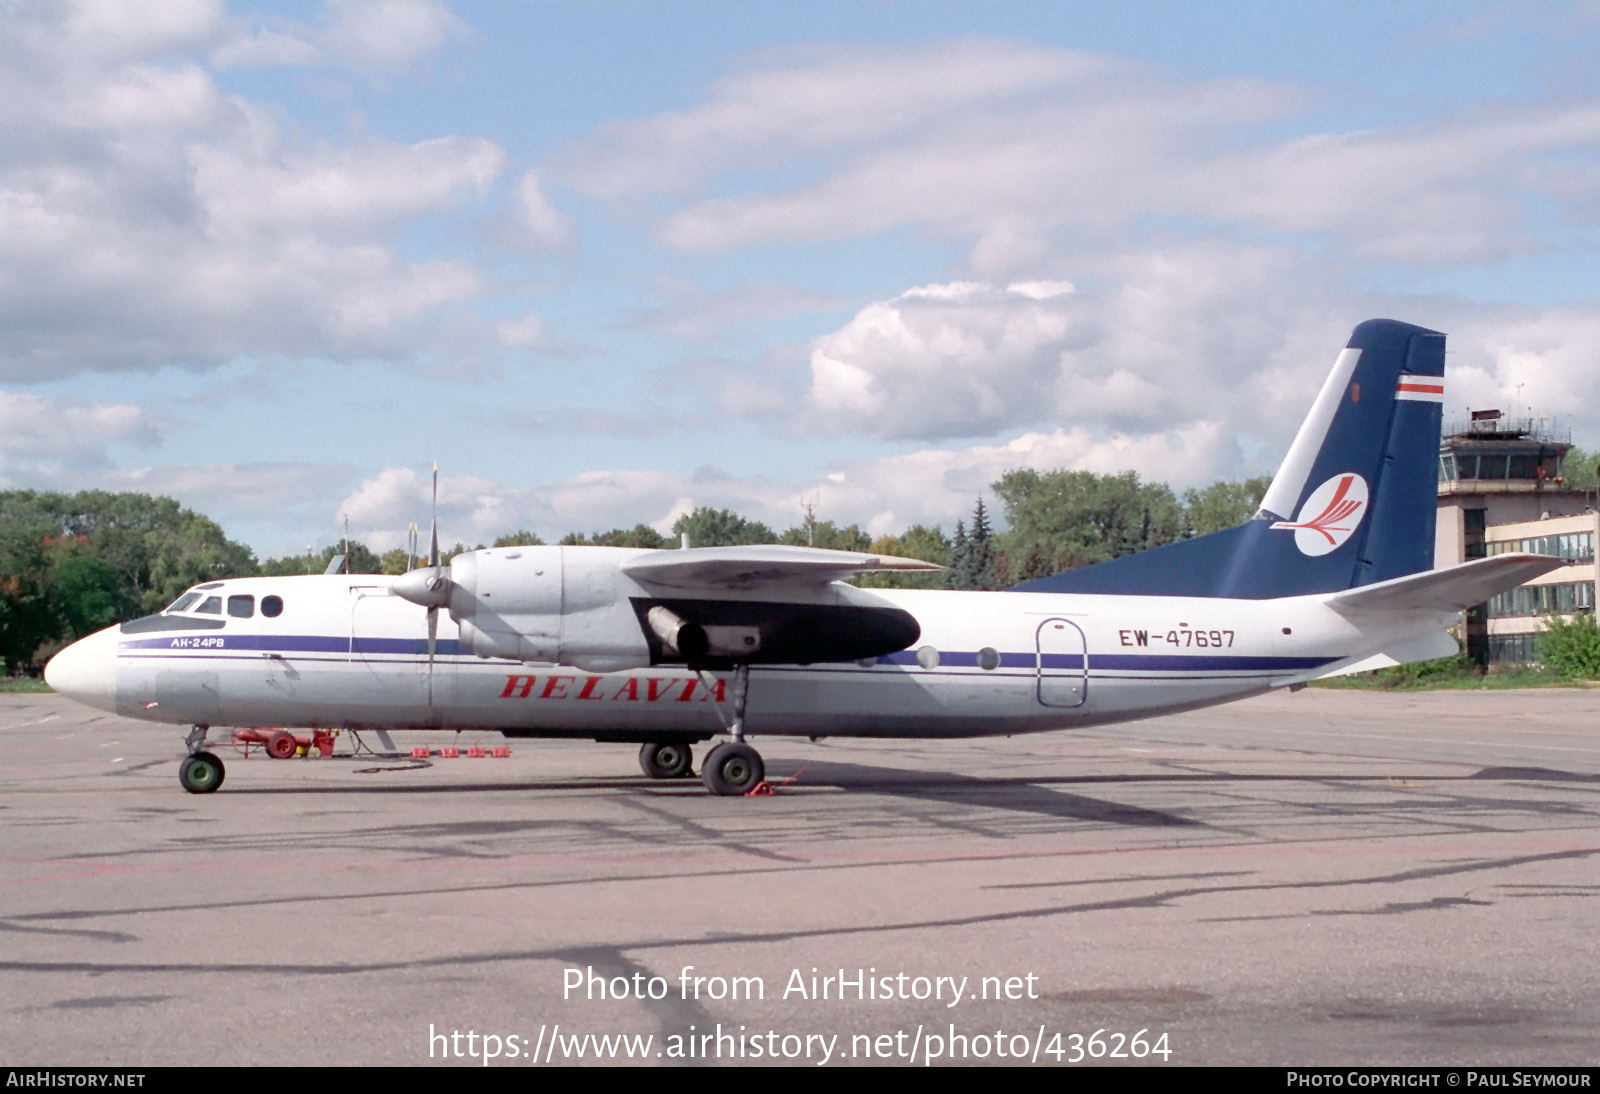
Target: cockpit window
{"points": [[211, 606], [241, 607], [272, 606], [183, 602]]}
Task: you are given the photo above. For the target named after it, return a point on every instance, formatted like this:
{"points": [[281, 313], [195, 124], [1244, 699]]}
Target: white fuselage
{"points": [[346, 652]]}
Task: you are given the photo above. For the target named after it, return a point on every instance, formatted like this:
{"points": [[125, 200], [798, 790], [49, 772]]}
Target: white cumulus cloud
{"points": [[544, 226], [150, 219], [1004, 144], [52, 437], [371, 36], [1179, 335]]}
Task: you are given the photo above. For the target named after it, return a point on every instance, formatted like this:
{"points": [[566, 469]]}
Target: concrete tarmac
{"points": [[1339, 878]]}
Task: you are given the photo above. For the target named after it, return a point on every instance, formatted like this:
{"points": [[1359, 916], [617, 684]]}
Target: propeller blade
{"points": [[428, 586], [433, 531], [433, 639]]}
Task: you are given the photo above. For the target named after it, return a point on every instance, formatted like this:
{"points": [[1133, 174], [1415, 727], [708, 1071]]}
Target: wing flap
{"points": [[1454, 589], [749, 567]]}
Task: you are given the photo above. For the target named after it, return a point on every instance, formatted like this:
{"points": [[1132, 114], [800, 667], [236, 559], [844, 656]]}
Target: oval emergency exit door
{"points": [[1063, 663]]}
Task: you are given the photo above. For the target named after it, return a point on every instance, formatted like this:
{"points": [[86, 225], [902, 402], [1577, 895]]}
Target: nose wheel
{"points": [[201, 773]]}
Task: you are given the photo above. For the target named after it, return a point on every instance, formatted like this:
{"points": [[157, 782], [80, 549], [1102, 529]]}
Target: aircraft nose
{"points": [[87, 670]]}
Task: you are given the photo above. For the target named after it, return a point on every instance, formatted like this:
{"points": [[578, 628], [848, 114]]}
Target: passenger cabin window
{"points": [[183, 602], [212, 606], [241, 607], [272, 606]]}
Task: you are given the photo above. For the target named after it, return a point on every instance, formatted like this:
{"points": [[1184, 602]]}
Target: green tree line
{"points": [[73, 563], [1581, 469]]}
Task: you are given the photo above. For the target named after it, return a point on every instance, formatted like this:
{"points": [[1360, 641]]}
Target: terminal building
{"points": [[1502, 489]]}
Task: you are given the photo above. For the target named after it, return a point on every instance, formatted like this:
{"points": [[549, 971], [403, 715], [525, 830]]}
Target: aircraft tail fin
{"points": [[1352, 504]]}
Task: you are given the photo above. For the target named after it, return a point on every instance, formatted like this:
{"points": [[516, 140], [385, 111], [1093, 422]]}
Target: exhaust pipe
{"points": [[687, 640]]}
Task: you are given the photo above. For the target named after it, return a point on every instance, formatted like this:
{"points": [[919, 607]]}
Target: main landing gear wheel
{"points": [[201, 773], [665, 760], [731, 768]]}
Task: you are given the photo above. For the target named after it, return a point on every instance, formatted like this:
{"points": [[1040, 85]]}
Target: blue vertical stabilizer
{"points": [[1353, 502]]}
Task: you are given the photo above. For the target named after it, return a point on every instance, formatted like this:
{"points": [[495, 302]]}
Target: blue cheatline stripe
{"points": [[1167, 662], [301, 643], [368, 646], [1149, 662], [303, 659], [848, 669]]}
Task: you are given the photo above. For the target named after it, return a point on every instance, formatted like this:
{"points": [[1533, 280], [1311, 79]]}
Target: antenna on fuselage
{"points": [[433, 561]]}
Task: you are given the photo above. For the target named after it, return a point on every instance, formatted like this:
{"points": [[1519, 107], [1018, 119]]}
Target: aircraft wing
{"points": [[749, 567], [1454, 589]]}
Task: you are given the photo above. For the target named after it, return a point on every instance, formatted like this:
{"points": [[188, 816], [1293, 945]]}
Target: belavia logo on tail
{"points": [[1330, 515]]}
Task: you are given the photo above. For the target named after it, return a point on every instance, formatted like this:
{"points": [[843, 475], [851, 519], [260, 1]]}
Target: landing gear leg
{"points": [[733, 767], [741, 694], [200, 772]]}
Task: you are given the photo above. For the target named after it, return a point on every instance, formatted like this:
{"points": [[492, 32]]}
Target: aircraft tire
{"points": [[665, 760], [201, 773], [282, 746], [732, 768]]}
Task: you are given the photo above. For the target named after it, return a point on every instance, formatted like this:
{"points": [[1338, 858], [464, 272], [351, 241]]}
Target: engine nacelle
{"points": [[548, 604], [575, 606]]}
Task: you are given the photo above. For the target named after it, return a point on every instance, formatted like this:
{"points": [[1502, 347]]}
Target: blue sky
{"points": [[606, 262]]}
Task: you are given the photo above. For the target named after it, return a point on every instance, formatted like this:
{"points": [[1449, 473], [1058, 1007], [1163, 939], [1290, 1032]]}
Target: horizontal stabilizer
{"points": [[1429, 647], [1450, 590], [747, 567]]}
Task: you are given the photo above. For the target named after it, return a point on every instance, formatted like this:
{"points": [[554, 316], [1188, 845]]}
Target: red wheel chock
{"points": [[762, 789]]}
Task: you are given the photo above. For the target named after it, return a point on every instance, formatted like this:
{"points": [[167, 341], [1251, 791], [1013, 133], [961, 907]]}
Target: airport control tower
{"points": [[1502, 487]]}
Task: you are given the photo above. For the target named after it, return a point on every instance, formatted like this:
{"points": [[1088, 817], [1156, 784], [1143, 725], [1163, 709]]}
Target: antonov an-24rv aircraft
{"points": [[669, 648]]}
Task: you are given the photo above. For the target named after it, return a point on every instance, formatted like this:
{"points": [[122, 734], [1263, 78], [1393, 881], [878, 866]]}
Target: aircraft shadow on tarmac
{"points": [[1019, 794], [1533, 774], [1040, 795]]}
